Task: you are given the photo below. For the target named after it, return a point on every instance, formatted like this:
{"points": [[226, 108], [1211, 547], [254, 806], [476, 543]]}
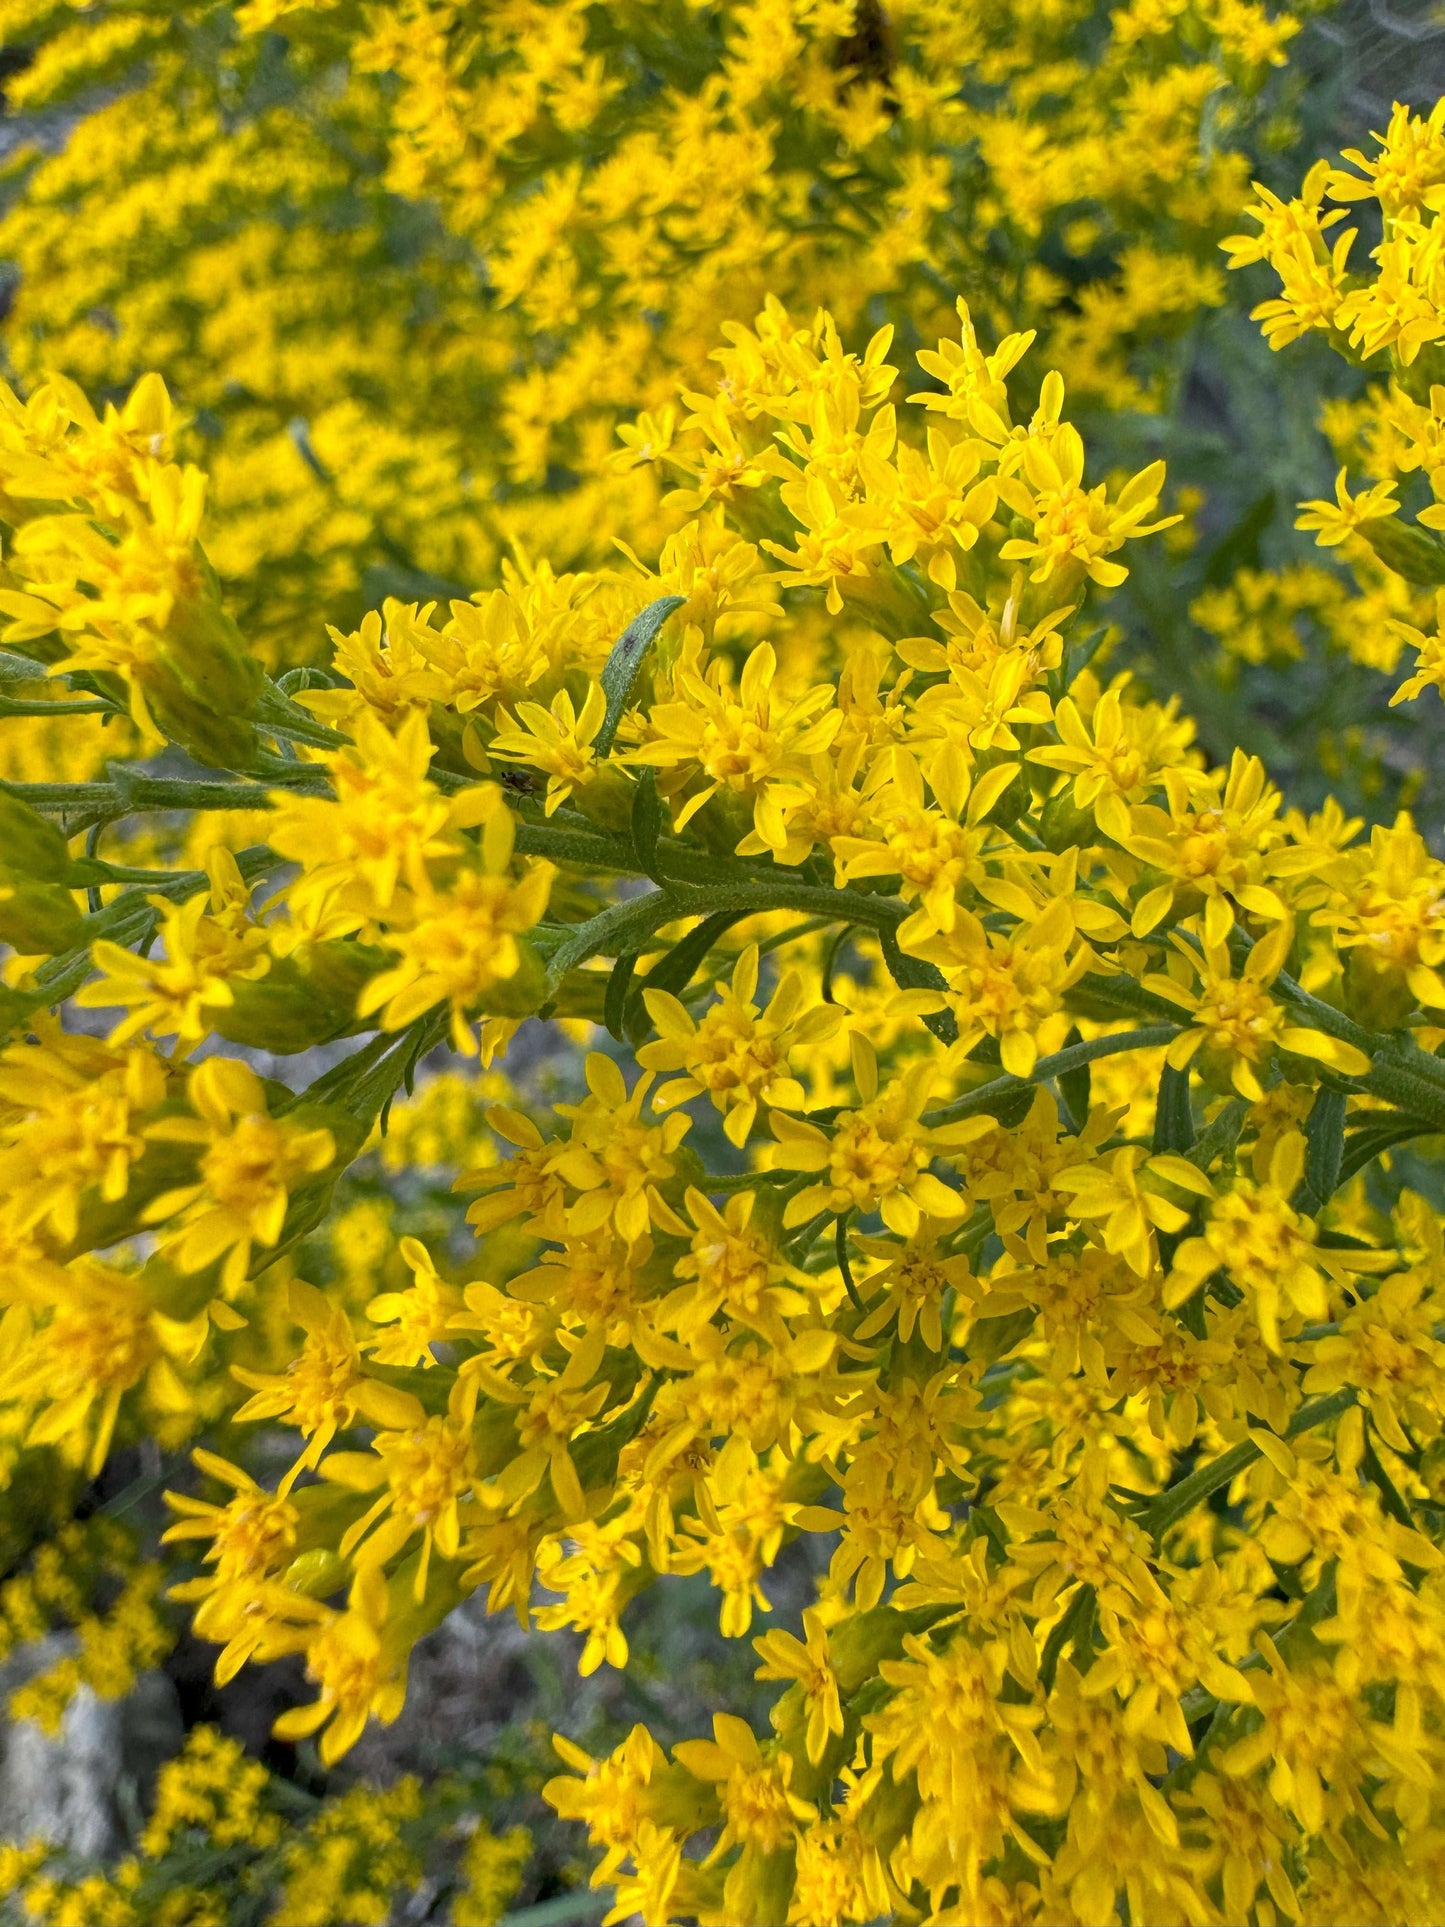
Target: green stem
{"points": [[620, 927], [1059, 1065], [730, 1181], [1179, 1500], [562, 1911], [1401, 1073], [23, 706], [846, 1270], [130, 792]]}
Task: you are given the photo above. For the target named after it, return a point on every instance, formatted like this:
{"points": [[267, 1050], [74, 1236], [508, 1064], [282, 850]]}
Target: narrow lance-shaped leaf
{"points": [[1076, 1086], [1325, 1139], [674, 971], [620, 671], [614, 1002], [647, 821], [1173, 1114]]}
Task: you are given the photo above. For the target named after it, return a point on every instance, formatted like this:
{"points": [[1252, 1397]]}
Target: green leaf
{"points": [[1010, 1108], [647, 822], [1389, 1492], [1217, 1140], [620, 671], [17, 668], [1080, 654], [913, 973], [1076, 1087], [675, 969], [1173, 1113], [1382, 1132], [1411, 552], [614, 1003], [1325, 1138], [1075, 1624]]}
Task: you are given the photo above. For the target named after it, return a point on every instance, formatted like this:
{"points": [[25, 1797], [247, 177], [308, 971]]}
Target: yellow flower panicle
{"points": [[979, 1161]]}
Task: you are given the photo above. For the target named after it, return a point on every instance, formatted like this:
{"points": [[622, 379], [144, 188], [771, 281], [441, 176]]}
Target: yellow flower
{"points": [[745, 739], [359, 1671], [324, 1389], [206, 943], [1235, 1021], [836, 541], [100, 1340], [429, 1469], [460, 945], [1075, 530], [249, 1167], [738, 1054], [1334, 521], [552, 1414], [759, 1811], [1220, 845], [1009, 986], [1116, 1189], [559, 740], [384, 825], [252, 1541], [732, 1265], [76, 1122], [1388, 914], [932, 850], [876, 1158], [1312, 1738], [806, 1661], [1254, 1233], [1386, 1346], [615, 1160], [913, 1282], [417, 1318], [1116, 755], [1430, 655], [251, 1535], [614, 1797], [945, 1721]]}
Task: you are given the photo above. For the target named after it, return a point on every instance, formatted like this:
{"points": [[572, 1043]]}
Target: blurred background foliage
{"points": [[408, 269]]}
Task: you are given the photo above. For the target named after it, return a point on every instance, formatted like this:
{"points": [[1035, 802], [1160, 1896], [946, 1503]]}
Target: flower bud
{"points": [[37, 918], [304, 999], [29, 844], [204, 685], [521, 994], [1063, 825], [1377, 991], [607, 800], [317, 1574]]}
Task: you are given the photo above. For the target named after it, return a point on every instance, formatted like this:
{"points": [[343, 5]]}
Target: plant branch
{"points": [[1179, 1500], [1059, 1065]]}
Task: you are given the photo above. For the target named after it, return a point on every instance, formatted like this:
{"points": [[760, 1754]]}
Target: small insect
{"points": [[870, 52], [521, 781]]}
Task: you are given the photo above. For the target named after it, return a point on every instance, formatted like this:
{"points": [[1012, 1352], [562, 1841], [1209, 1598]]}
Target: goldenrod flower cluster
{"points": [[1003, 1156], [982, 1164], [1379, 308], [217, 1836], [88, 1581], [411, 264]]}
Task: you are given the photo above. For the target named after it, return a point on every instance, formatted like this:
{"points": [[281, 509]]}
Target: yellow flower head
{"points": [[738, 1054]]}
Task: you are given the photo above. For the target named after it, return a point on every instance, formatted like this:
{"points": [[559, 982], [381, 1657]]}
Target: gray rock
{"points": [[82, 1789]]}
